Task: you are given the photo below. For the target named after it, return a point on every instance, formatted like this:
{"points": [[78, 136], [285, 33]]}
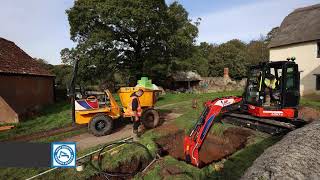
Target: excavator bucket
{"points": [[188, 147]]}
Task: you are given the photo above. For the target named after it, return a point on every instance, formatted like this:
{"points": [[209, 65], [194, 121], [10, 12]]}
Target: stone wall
{"points": [[215, 84]]}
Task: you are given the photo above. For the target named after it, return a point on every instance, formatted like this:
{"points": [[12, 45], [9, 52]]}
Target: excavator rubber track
{"points": [[270, 126]]}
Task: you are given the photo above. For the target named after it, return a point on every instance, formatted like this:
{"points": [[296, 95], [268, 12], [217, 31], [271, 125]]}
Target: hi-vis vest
{"points": [[270, 83], [129, 110]]}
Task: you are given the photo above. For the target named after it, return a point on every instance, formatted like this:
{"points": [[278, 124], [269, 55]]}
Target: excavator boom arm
{"points": [[210, 115]]}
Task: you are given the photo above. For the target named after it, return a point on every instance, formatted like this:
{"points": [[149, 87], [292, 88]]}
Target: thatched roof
{"points": [[186, 76], [301, 25]]}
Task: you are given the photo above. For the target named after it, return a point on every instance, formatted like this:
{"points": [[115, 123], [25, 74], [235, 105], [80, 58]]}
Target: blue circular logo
{"points": [[63, 155]]}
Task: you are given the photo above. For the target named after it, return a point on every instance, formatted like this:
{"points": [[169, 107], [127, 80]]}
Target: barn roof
{"points": [[301, 25], [14, 60], [186, 76]]}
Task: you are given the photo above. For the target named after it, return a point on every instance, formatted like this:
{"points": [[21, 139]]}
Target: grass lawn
{"points": [[310, 103], [59, 116], [53, 116], [182, 103]]}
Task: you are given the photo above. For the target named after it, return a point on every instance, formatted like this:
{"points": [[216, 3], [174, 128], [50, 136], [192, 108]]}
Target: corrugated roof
{"points": [[14, 60], [301, 25]]}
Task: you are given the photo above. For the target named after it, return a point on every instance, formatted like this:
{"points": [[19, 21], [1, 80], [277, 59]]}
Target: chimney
{"points": [[226, 73]]}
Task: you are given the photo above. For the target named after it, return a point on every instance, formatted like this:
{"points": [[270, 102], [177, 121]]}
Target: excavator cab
{"points": [[285, 92], [278, 80], [273, 90]]}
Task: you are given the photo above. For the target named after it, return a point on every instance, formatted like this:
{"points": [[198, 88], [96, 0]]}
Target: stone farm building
{"points": [[299, 36], [25, 86], [184, 80]]}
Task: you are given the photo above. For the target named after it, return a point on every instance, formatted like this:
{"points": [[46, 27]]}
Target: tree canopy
{"points": [[232, 55], [127, 39], [132, 37], [235, 55]]}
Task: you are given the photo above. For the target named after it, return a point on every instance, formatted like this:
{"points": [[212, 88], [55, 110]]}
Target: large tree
{"points": [[232, 55], [258, 51], [62, 72], [130, 37], [63, 75]]}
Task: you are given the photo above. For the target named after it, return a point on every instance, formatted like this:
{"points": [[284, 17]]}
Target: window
{"points": [[318, 49], [290, 79], [318, 82]]}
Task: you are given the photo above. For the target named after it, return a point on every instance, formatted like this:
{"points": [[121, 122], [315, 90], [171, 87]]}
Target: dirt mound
{"points": [[309, 114], [296, 156], [214, 148]]}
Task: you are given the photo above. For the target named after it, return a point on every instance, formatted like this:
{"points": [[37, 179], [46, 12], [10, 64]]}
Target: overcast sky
{"points": [[41, 28]]}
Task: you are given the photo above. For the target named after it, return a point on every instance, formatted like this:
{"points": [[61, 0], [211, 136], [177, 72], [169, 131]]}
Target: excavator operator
{"points": [[270, 82]]}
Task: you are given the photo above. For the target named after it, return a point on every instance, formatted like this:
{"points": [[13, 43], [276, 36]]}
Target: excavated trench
{"points": [[213, 149]]}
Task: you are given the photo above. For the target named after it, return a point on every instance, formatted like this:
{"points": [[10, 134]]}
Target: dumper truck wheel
{"points": [[100, 125], [150, 118]]}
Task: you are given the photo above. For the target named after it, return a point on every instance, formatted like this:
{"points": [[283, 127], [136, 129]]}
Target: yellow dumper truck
{"points": [[100, 109]]}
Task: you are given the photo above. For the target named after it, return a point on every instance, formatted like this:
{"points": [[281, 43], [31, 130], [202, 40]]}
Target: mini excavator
{"points": [[251, 110]]}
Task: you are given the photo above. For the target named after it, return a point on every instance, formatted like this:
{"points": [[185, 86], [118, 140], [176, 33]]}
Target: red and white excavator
{"points": [[251, 110]]}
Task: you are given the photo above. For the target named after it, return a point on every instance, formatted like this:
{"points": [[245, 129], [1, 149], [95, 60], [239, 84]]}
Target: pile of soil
{"points": [[308, 114], [214, 147]]}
